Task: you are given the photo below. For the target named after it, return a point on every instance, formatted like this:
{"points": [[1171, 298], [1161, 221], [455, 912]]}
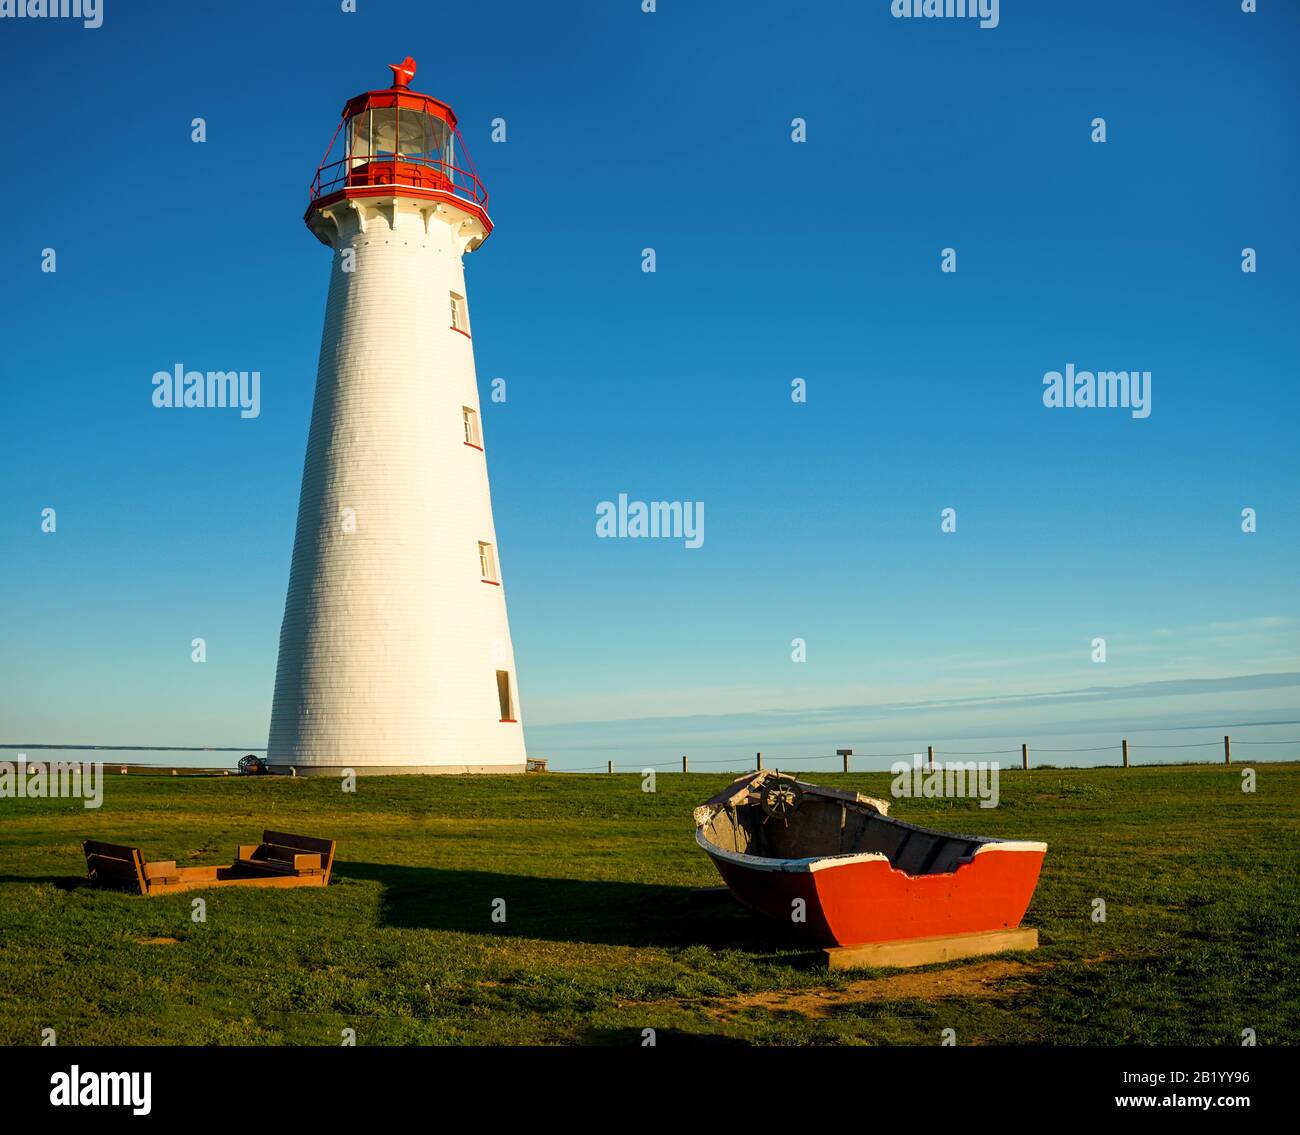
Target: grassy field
{"points": [[604, 937]]}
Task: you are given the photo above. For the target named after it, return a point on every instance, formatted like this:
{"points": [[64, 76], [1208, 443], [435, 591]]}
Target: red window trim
{"points": [[473, 446], [509, 721], [493, 582], [459, 331]]}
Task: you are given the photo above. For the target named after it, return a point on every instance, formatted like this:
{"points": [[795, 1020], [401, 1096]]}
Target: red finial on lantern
{"points": [[403, 72]]}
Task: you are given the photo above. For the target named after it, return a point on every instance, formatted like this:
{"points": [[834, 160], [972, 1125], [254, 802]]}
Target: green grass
{"points": [[603, 938]]}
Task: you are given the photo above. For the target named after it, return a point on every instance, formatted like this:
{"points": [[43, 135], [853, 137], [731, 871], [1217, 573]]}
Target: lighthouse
{"points": [[395, 652]]}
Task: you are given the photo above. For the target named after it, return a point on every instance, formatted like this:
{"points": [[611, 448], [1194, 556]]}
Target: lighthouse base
{"points": [[396, 770]]}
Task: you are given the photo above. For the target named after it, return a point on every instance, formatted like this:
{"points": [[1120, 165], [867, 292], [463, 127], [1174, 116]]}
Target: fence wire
{"points": [[724, 762]]}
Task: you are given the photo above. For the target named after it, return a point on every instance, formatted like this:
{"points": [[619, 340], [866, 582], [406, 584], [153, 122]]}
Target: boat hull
{"points": [[855, 899]]}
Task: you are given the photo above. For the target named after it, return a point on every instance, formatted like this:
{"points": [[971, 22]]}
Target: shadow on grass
{"points": [[601, 912], [63, 882]]}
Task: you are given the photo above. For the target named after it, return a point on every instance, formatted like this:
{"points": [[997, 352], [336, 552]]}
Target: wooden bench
{"points": [[114, 865], [282, 854], [280, 860]]}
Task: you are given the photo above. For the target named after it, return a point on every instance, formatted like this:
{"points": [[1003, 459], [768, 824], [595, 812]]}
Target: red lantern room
{"points": [[396, 142]]}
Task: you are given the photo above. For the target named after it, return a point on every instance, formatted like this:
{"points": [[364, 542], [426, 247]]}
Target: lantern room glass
{"points": [[409, 135]]}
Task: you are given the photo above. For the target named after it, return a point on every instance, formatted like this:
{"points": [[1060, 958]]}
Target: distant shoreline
{"points": [[149, 748]]}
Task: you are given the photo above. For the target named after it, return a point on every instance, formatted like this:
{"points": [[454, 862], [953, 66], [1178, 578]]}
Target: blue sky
{"points": [[775, 260]]}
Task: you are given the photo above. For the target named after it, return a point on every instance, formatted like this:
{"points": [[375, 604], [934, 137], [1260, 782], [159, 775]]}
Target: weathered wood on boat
{"points": [[739, 790], [906, 952], [736, 791], [881, 806]]}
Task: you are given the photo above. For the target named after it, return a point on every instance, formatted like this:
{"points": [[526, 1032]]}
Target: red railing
{"points": [[401, 170]]}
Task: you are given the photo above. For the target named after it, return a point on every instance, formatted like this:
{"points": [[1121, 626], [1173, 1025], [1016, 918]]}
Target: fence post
{"points": [[1227, 750], [611, 766], [1024, 756], [846, 754], [684, 766], [1125, 744], [929, 750], [759, 765]]}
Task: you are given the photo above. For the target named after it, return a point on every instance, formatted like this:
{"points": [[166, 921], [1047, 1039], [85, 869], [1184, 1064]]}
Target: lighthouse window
{"points": [[487, 562], [425, 138], [459, 320], [359, 138], [503, 695], [383, 131], [472, 436]]}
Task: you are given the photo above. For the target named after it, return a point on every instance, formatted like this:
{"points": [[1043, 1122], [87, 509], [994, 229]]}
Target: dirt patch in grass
{"points": [[985, 980], [158, 941]]}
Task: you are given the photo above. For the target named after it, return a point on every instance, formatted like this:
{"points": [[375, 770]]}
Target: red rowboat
{"points": [[863, 877]]}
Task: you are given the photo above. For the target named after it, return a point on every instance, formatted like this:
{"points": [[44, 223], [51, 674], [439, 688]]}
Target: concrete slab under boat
{"points": [[905, 952]]}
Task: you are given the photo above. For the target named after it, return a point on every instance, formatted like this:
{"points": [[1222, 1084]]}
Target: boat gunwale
{"points": [[866, 805], [707, 813], [813, 863]]}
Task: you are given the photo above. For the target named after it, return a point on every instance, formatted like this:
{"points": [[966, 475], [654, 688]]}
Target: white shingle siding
{"points": [[391, 641]]}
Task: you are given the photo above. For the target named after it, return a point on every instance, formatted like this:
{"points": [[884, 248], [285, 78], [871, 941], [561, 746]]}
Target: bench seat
{"points": [[280, 860]]}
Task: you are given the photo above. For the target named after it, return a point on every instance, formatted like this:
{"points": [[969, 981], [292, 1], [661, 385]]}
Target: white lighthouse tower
{"points": [[395, 652]]}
